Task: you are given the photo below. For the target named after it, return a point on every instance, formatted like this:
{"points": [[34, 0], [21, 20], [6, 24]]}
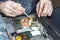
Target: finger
{"points": [[6, 10], [6, 5], [8, 13], [37, 8], [15, 12], [50, 13], [51, 10], [44, 13], [18, 7], [41, 8]]}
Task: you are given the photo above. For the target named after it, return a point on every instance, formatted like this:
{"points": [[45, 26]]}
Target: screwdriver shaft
{"points": [[26, 14]]}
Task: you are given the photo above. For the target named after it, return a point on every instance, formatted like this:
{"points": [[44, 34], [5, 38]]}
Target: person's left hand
{"points": [[44, 8]]}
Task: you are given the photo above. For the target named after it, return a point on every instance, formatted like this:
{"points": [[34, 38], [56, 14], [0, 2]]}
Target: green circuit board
{"points": [[33, 31]]}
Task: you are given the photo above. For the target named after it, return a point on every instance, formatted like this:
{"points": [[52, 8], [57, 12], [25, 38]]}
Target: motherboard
{"points": [[24, 28]]}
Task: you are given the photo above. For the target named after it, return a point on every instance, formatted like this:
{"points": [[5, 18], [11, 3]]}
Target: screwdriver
{"points": [[26, 14]]}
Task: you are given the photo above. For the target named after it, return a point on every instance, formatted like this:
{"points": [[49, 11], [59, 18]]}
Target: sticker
{"points": [[35, 33]]}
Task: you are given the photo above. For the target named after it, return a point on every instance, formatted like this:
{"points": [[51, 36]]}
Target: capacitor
{"points": [[18, 38]]}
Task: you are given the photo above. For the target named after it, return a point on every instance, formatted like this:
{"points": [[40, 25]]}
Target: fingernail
{"points": [[38, 15]]}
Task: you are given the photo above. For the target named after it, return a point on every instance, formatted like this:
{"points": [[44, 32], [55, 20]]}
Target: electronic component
{"points": [[26, 22], [18, 38]]}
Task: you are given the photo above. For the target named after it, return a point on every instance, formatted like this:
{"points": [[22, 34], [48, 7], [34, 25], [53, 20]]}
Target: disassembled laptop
{"points": [[23, 28]]}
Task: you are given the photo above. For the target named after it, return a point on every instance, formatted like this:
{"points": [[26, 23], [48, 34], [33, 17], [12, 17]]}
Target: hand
{"points": [[11, 8], [44, 8]]}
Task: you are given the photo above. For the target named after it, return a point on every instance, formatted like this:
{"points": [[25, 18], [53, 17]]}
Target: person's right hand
{"points": [[11, 8]]}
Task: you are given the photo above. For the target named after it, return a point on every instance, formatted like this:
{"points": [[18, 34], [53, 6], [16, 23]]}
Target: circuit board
{"points": [[24, 28]]}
